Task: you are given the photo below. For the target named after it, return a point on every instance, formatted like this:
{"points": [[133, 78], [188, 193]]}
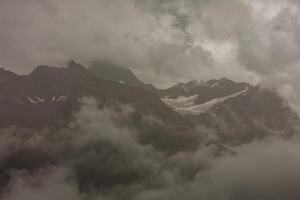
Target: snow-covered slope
{"points": [[237, 112], [188, 106], [180, 102]]}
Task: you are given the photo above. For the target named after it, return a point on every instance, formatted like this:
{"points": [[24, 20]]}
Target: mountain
{"points": [[209, 90], [43, 105], [112, 72], [237, 112], [49, 96], [42, 98], [6, 75], [253, 114], [195, 97], [169, 127]]}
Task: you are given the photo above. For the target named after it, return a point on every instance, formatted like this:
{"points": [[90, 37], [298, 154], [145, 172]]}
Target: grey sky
{"points": [[163, 41]]}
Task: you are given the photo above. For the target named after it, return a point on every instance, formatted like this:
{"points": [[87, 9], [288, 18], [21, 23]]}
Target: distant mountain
{"points": [[112, 72], [219, 113], [238, 112], [209, 90], [253, 114], [49, 96], [196, 97]]}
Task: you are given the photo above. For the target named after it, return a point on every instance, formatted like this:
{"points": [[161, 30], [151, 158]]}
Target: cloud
{"points": [[162, 41], [52, 32], [97, 157], [50, 183], [94, 152], [256, 172]]}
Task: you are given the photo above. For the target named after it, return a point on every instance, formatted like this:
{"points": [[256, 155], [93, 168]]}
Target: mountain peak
{"points": [[195, 83], [2, 70], [67, 77], [226, 80], [75, 65], [43, 69], [77, 68], [46, 70], [106, 67], [116, 73], [72, 62], [6, 75]]}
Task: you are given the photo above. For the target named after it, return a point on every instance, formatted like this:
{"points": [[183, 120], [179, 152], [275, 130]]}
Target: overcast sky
{"points": [[162, 41]]}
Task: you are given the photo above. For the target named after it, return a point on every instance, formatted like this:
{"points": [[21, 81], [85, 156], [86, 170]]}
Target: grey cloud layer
{"points": [[95, 149], [163, 41], [164, 38]]}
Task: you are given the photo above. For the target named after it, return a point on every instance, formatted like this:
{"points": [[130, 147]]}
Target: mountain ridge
{"points": [[236, 110], [112, 72], [49, 96]]}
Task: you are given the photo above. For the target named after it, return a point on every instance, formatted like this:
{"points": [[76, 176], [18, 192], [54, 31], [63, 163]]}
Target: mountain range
{"points": [[110, 148], [236, 112]]}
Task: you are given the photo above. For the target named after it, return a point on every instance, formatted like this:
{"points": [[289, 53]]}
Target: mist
{"points": [[96, 158], [163, 42]]}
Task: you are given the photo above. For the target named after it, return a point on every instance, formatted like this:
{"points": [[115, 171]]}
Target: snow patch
{"points": [[187, 106], [35, 100], [214, 85], [38, 100], [60, 99], [180, 102]]}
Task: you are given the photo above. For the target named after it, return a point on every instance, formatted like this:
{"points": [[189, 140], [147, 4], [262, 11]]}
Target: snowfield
{"points": [[187, 106]]}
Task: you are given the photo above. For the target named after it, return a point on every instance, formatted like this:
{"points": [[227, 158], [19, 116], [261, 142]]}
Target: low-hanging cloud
{"points": [[48, 183], [163, 41], [96, 158]]}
